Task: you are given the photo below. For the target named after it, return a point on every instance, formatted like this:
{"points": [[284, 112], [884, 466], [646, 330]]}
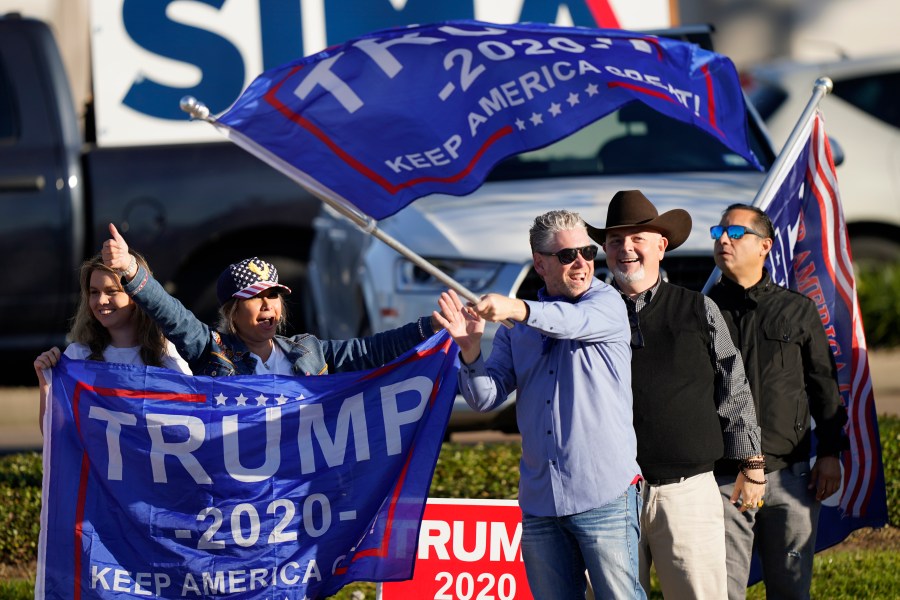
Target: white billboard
{"points": [[147, 55]]}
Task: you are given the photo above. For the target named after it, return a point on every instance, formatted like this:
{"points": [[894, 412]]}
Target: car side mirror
{"points": [[837, 152]]}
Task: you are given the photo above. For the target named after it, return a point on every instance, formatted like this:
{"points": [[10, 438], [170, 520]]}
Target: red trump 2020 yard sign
{"points": [[468, 549]]}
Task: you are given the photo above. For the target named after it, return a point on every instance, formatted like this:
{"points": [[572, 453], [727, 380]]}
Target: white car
{"points": [[863, 115], [360, 285]]}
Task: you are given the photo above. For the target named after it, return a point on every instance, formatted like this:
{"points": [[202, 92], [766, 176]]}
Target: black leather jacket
{"points": [[790, 367]]}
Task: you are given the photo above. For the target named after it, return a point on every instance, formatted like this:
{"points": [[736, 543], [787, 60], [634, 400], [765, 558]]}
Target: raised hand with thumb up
{"points": [[115, 254]]}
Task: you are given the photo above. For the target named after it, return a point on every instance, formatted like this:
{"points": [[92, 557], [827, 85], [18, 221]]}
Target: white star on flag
{"points": [[777, 259], [555, 109], [281, 399], [242, 400], [592, 89], [573, 99], [520, 124], [220, 399], [536, 119], [261, 400]]}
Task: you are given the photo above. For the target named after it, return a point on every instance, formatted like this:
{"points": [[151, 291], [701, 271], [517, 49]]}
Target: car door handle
{"points": [[24, 183]]}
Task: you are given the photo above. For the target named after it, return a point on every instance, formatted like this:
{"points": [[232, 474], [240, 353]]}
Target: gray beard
{"points": [[629, 278]]}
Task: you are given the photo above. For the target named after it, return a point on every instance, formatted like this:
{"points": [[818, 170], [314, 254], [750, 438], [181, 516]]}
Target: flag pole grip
{"points": [[821, 88]]}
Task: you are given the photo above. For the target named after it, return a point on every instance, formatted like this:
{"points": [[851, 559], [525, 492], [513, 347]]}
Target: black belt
{"points": [[665, 481]]}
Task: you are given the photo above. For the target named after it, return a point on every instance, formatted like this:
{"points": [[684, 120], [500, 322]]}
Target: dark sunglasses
{"points": [[735, 232], [568, 255]]}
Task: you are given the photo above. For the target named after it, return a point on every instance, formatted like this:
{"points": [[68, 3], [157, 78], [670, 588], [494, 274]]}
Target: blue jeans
{"points": [[557, 550]]}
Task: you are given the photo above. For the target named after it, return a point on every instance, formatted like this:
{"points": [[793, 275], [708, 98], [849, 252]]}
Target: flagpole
{"points": [[199, 111], [821, 88]]}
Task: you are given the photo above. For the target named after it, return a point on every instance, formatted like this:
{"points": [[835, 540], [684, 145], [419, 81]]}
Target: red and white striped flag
{"points": [[812, 255]]}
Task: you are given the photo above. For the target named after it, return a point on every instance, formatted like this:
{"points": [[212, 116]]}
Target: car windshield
{"points": [[634, 139]]}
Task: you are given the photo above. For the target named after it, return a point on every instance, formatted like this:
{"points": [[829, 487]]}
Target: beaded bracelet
{"points": [[421, 329], [751, 480], [753, 463], [128, 269]]}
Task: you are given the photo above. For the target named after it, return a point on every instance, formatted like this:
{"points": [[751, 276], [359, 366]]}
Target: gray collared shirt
{"points": [[571, 368]]}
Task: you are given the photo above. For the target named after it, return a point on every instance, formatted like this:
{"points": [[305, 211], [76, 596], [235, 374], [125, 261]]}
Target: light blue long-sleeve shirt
{"points": [[571, 368]]}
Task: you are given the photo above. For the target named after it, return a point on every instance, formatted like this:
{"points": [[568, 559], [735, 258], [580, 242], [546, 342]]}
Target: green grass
{"points": [[850, 575], [17, 589]]}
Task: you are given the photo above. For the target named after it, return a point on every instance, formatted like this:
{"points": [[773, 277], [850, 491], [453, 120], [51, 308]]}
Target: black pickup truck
{"points": [[190, 209]]}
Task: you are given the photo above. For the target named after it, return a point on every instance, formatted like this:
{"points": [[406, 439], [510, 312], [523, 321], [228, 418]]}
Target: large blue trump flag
{"points": [[811, 254], [394, 115], [160, 484]]}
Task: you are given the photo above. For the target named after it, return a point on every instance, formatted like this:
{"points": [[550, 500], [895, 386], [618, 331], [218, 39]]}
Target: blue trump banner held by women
{"points": [[394, 115], [161, 484]]}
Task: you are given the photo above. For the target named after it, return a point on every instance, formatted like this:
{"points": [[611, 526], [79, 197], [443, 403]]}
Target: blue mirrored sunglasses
{"points": [[735, 232], [568, 255]]}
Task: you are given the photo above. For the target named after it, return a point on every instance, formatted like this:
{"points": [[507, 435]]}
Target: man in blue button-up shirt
{"points": [[568, 357]]}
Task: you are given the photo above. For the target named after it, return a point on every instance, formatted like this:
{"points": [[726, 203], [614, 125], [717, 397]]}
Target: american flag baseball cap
{"points": [[246, 279]]}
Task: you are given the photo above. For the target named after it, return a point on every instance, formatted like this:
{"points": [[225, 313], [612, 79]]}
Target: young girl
{"points": [[108, 326]]}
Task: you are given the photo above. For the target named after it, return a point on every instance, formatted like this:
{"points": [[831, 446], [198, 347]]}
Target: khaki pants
{"points": [[683, 534]]}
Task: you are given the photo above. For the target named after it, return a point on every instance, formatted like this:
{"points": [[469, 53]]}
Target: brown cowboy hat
{"points": [[630, 208]]}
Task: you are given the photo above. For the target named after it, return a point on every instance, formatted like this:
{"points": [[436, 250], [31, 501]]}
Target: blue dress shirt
{"points": [[570, 365]]}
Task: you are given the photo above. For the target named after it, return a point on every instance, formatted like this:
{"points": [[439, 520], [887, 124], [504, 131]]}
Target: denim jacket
{"points": [[217, 354]]}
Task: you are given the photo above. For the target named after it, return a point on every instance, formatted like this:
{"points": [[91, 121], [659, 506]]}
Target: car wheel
{"points": [[871, 251]]}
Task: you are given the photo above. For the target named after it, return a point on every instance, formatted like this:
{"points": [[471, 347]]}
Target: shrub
{"points": [[878, 289], [20, 507], [889, 429], [477, 471], [21, 470]]}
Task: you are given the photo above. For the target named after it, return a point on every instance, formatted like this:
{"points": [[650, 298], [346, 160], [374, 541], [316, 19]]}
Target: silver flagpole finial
{"points": [[825, 82], [195, 108]]}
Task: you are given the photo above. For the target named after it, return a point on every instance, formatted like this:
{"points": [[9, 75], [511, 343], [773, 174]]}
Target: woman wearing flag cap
{"points": [[246, 339]]}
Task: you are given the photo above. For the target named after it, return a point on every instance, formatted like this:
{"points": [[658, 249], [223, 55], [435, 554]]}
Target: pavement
{"points": [[19, 407]]}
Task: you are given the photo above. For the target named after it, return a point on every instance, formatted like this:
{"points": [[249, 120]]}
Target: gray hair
{"points": [[549, 224]]}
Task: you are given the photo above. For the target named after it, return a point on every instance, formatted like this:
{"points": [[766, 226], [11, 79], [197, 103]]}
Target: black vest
{"points": [[673, 380]]}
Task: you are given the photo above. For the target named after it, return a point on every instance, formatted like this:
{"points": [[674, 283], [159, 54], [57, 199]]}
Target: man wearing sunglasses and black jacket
{"points": [[792, 374]]}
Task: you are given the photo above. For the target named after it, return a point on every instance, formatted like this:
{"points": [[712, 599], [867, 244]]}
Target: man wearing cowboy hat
{"points": [[692, 403]]}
